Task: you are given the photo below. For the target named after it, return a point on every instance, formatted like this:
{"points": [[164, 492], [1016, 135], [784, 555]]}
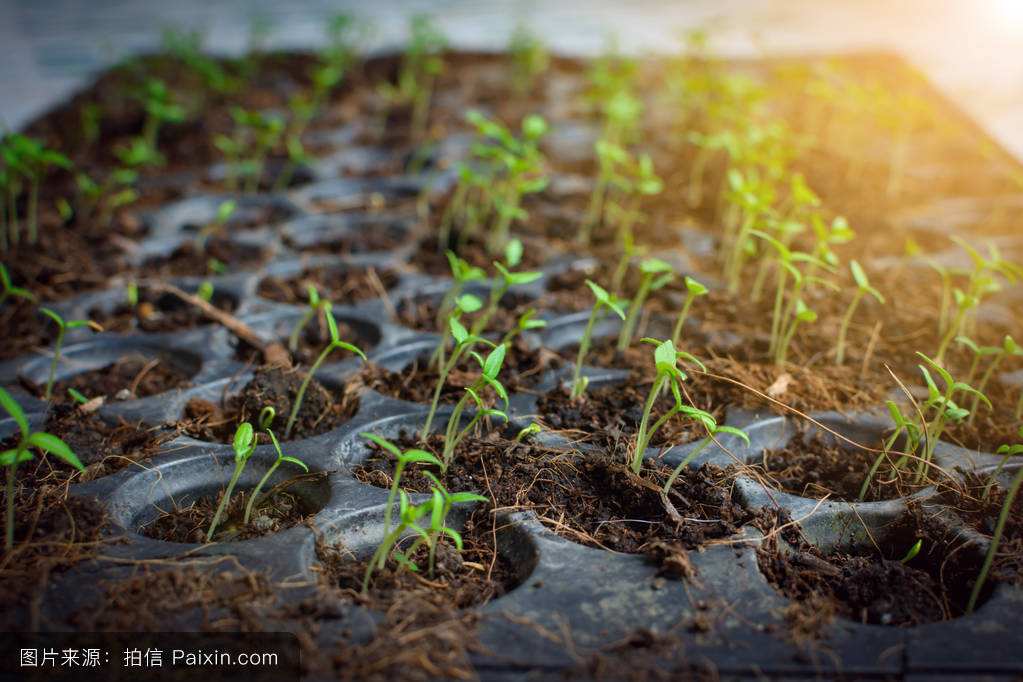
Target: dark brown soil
{"points": [[980, 506], [369, 239], [342, 287], [278, 511], [880, 590], [473, 577], [817, 467], [190, 260], [277, 388], [421, 313], [429, 258], [158, 313], [102, 446], [611, 415], [136, 375], [592, 498], [26, 330], [314, 338], [523, 369]]}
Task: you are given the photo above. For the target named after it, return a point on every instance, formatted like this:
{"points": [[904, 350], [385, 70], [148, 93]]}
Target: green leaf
{"points": [[381, 442], [739, 433], [335, 336], [12, 457], [47, 442], [53, 316], [513, 253], [460, 498], [599, 292], [454, 535], [417, 456], [665, 356], [296, 461], [695, 288], [458, 331], [243, 437], [14, 409], [350, 348], [652, 266], [492, 365], [468, 303]]}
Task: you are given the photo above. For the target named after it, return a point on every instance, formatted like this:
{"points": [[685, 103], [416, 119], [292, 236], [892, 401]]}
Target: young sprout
{"points": [[508, 279], [904, 427], [313, 308], [131, 294], [420, 66], [1009, 348], [602, 300], [464, 341], [335, 344], [528, 432], [1003, 516], [205, 291], [441, 503], [281, 458], [942, 407], [21, 452], [491, 367], [862, 289], [693, 291], [32, 159], [526, 322], [803, 315], [160, 108], [529, 59], [669, 374], [10, 290], [62, 327], [656, 273], [244, 444], [255, 134], [408, 522], [461, 273], [403, 459], [912, 552], [216, 226], [713, 431], [77, 396]]}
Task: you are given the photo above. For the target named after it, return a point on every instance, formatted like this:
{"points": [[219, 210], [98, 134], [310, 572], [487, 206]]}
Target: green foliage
{"points": [[421, 63], [490, 369], [622, 182], [28, 440], [10, 290], [507, 278], [602, 300], [314, 307], [335, 344], [463, 342], [529, 58], [62, 327], [863, 288], [23, 160], [187, 47], [243, 444], [655, 274], [670, 375], [1003, 516], [694, 290], [255, 134], [281, 459], [403, 459]]}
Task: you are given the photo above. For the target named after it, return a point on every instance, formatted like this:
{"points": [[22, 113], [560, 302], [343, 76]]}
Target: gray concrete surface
{"points": [[972, 49]]}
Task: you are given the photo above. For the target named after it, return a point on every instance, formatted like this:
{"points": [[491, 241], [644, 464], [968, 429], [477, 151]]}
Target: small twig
{"points": [[274, 353]]}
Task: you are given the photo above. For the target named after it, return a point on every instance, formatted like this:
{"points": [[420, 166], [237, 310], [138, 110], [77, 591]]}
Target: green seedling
{"points": [[335, 344], [527, 322], [216, 227], [693, 291], [160, 109], [1009, 348], [314, 307], [403, 459], [62, 327], [187, 47], [863, 288], [803, 315], [441, 504], [713, 431], [420, 66], [131, 294], [528, 432], [244, 444], [752, 197], [904, 427], [669, 375], [611, 161], [281, 458], [1003, 517], [77, 396], [655, 274], [602, 300], [28, 158], [462, 273], [205, 291], [491, 367], [104, 198], [942, 408], [529, 59], [912, 552], [255, 135], [22, 452], [10, 290], [408, 522], [507, 280], [463, 342]]}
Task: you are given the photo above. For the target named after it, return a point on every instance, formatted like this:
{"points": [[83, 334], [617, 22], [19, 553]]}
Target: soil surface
{"points": [[342, 287], [277, 388], [158, 313], [314, 337], [133, 376], [590, 498], [278, 509]]}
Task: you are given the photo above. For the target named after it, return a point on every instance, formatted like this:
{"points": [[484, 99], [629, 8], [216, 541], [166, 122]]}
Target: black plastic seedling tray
{"points": [[570, 600]]}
